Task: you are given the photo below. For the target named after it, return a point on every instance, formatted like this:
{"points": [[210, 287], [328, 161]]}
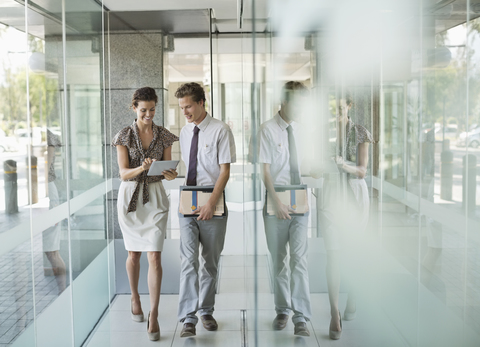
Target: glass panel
{"points": [[186, 59], [86, 172], [407, 263], [22, 183]]}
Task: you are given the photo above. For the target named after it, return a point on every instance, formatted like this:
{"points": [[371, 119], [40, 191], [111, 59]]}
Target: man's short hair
{"points": [[293, 88], [192, 89]]}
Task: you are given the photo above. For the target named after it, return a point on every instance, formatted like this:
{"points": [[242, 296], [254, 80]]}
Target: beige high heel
{"points": [[136, 317], [153, 336], [335, 335]]}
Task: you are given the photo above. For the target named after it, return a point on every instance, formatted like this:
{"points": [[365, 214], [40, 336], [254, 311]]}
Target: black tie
{"points": [[292, 148], [192, 164]]}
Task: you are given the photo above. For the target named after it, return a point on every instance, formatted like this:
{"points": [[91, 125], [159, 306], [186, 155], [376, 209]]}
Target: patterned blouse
{"points": [[130, 138], [52, 141], [356, 134]]}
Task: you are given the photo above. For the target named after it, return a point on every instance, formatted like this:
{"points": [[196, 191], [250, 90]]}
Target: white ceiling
{"points": [[225, 11]]}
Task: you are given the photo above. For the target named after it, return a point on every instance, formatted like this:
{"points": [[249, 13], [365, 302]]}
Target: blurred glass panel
{"points": [[17, 269], [409, 70]]}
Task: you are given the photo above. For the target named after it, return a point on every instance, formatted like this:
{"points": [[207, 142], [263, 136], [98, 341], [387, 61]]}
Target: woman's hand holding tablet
{"points": [[164, 167]]}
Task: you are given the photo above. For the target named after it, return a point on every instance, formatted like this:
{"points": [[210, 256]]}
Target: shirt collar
{"points": [[204, 124], [281, 122]]}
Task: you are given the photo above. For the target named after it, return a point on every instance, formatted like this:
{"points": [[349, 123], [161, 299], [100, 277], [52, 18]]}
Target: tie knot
{"points": [[289, 128], [196, 130]]}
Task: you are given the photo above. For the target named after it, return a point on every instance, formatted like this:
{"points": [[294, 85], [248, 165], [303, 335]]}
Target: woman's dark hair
{"points": [[192, 89], [144, 94], [346, 95]]}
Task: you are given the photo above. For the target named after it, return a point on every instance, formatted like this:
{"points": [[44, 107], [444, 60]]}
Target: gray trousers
{"points": [[290, 292], [197, 288]]}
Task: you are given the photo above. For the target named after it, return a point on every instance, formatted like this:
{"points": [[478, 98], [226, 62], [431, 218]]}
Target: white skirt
{"points": [[344, 218], [51, 236], [143, 230]]}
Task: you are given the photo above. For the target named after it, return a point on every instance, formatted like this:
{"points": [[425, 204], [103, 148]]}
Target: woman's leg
{"points": [[154, 285], [133, 271], [59, 269], [333, 281]]}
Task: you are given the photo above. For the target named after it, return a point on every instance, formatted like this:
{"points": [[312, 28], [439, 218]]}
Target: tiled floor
{"points": [[236, 294], [16, 292]]}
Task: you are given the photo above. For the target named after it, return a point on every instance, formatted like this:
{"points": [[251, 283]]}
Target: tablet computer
{"points": [[159, 166]]}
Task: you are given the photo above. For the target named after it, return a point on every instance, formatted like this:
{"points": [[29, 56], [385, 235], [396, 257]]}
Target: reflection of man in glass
{"points": [[279, 142], [51, 236]]}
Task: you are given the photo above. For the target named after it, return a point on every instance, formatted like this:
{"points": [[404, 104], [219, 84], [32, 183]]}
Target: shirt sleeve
{"points": [[264, 148], [226, 147], [122, 138], [168, 138], [363, 135], [53, 140]]}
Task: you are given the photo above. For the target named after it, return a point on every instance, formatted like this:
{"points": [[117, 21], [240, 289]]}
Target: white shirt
{"points": [[215, 146], [273, 142]]}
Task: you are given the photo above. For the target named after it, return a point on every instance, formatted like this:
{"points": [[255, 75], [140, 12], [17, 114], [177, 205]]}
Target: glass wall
{"points": [[389, 153], [55, 248], [393, 105]]}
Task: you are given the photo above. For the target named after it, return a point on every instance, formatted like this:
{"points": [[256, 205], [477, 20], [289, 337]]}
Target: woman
{"points": [[142, 203], [346, 196]]}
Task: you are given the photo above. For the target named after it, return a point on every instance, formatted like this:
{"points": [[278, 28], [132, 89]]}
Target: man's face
{"points": [[296, 107], [193, 111]]}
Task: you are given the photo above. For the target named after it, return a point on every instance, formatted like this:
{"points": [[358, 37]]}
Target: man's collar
{"points": [[281, 122], [203, 124]]}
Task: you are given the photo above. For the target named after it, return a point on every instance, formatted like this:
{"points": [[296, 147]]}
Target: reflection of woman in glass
{"points": [[142, 202], [345, 215], [51, 236]]}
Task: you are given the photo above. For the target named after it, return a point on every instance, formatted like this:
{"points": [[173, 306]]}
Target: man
{"points": [[279, 155], [208, 149]]}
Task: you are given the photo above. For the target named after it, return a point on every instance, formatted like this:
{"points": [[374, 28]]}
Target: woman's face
{"points": [[145, 112], [342, 110]]}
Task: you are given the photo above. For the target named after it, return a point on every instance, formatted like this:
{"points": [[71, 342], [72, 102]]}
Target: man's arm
{"points": [[281, 210], [206, 211]]}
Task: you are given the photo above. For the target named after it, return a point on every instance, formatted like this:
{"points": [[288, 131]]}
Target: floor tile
{"points": [[230, 301], [119, 320], [282, 338], [129, 339], [209, 339], [168, 303], [362, 338], [241, 272], [240, 285]]}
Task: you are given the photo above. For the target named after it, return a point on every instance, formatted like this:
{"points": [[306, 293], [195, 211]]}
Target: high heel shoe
{"points": [[349, 315], [136, 317], [153, 336], [335, 335]]}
